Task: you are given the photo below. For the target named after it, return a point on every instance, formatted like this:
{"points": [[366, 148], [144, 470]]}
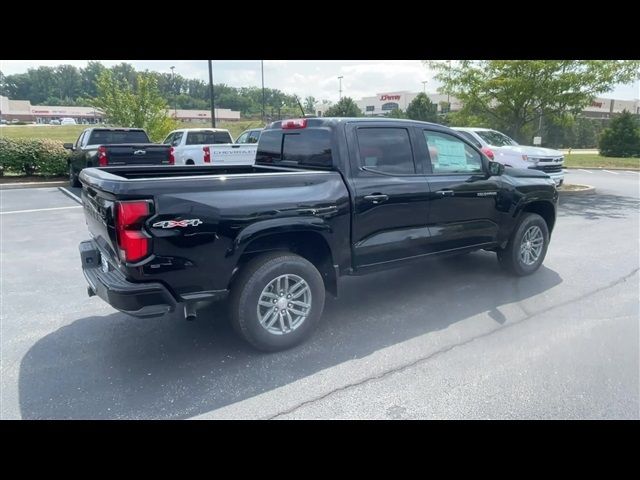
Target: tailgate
{"points": [[140, 154], [99, 213], [233, 154]]}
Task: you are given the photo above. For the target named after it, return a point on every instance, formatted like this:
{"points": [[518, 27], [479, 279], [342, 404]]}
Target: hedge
{"points": [[33, 157]]}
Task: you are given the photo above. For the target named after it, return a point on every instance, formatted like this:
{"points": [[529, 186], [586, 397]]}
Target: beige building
{"points": [[605, 107], [22, 110]]}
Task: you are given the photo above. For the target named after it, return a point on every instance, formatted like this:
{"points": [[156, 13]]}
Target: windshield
{"points": [[496, 139]]}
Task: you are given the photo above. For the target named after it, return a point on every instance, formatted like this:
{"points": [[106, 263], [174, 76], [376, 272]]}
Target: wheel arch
{"points": [[544, 208], [310, 244]]}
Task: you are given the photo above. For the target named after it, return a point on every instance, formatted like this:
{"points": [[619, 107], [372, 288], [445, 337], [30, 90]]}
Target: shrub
{"points": [[33, 157], [622, 138]]}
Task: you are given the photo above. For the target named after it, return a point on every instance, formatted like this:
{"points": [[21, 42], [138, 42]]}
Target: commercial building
{"points": [[383, 103], [23, 111], [604, 108]]}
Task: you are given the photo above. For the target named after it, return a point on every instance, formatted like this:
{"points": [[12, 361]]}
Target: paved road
{"points": [[454, 338]]}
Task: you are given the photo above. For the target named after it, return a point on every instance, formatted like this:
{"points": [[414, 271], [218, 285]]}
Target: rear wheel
{"points": [[189, 162], [73, 178], [527, 246], [277, 301]]}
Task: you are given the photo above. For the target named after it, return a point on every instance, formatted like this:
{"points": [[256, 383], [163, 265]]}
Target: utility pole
{"points": [[175, 97], [424, 86], [448, 103], [213, 109], [263, 101], [340, 79]]}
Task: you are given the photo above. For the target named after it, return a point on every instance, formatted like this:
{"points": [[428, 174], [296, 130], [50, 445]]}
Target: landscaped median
{"points": [[593, 160], [34, 158]]}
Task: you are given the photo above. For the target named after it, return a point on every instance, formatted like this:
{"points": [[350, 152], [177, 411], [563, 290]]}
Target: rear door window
{"points": [[386, 150]]}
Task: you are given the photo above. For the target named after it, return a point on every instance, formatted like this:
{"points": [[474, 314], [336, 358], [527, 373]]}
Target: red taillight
{"points": [[172, 157], [103, 161], [207, 154], [133, 243], [294, 123], [488, 152]]}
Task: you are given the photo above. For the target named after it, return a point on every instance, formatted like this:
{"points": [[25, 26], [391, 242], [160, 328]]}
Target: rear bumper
{"points": [[138, 299]]}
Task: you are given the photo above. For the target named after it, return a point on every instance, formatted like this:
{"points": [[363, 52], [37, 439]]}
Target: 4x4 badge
{"points": [[193, 222]]}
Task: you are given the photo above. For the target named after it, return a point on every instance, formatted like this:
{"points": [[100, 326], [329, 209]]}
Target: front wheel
{"points": [[527, 246], [277, 301], [73, 178]]}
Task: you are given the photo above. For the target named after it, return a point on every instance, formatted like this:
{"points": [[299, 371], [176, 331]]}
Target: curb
{"points": [[603, 168], [12, 186], [589, 189]]}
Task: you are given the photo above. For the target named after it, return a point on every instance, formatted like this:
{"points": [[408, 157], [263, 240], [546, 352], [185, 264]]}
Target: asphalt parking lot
{"points": [[452, 338]]}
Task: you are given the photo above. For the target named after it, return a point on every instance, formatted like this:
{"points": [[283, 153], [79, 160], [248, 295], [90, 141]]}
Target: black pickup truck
{"points": [[100, 147], [327, 197]]}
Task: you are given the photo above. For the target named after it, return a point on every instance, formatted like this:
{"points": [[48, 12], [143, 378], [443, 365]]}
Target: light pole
{"points": [[263, 102], [213, 109], [424, 86], [340, 90], [175, 97]]}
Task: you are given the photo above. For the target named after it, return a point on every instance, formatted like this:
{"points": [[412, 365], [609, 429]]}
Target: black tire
{"points": [[189, 162], [73, 178], [248, 287], [509, 257]]}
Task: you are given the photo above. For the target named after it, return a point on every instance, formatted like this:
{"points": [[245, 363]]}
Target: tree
{"points": [[90, 75], [346, 107], [622, 138], [139, 106], [423, 109], [68, 82], [309, 104], [514, 94], [396, 113]]}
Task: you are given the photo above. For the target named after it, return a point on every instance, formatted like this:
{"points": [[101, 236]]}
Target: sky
{"points": [[361, 78]]}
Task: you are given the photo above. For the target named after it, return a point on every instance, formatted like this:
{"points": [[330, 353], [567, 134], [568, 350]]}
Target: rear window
{"points": [[206, 137], [107, 137], [296, 148]]}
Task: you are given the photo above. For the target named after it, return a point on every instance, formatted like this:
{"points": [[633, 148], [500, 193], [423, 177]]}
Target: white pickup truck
{"points": [[208, 146]]}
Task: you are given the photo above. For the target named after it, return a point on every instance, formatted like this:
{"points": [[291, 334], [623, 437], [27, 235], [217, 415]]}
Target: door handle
{"points": [[377, 198], [445, 193]]}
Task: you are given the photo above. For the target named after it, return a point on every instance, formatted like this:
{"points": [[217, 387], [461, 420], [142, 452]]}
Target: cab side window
{"points": [[449, 154], [254, 137], [177, 138], [169, 139], [243, 138], [79, 140], [386, 150]]}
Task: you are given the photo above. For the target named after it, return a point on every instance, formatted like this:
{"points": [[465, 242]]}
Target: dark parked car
{"points": [[326, 198], [249, 136], [100, 147]]}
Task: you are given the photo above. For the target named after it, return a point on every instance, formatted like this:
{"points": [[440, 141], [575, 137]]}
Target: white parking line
{"points": [[631, 171], [609, 171], [582, 170], [40, 210], [70, 194]]}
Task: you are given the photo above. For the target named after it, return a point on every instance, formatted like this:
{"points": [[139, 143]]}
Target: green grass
{"points": [[592, 160], [69, 133]]}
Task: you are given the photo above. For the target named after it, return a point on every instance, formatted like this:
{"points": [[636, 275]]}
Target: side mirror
{"points": [[496, 168], [68, 146]]}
